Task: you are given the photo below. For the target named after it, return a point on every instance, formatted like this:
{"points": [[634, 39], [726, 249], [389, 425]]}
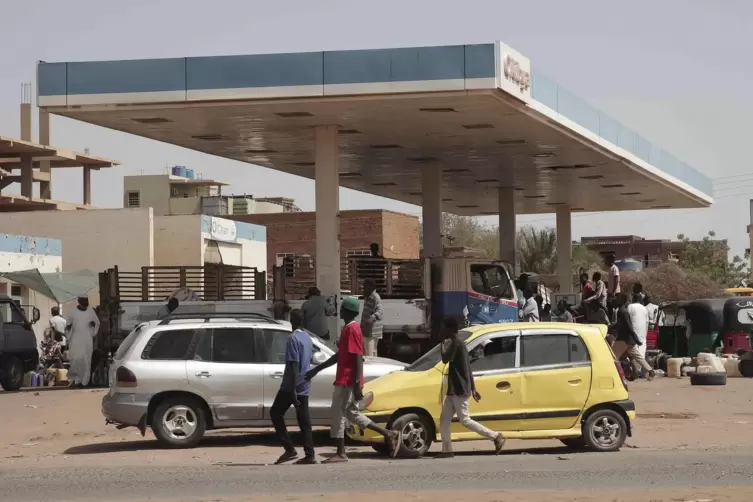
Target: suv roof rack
{"points": [[218, 315]]}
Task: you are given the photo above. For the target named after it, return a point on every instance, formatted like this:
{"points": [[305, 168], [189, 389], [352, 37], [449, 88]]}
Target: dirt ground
{"points": [[64, 427], [735, 494]]}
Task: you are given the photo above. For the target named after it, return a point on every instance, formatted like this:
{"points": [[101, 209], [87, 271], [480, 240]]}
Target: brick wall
{"points": [[396, 233]]}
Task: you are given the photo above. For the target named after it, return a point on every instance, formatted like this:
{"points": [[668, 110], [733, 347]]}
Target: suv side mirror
{"points": [[35, 315], [319, 358]]}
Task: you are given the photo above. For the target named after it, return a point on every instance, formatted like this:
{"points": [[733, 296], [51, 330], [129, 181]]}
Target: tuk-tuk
{"points": [[695, 326]]}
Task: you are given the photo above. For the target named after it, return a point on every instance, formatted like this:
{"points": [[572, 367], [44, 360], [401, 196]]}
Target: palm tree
{"points": [[537, 249]]}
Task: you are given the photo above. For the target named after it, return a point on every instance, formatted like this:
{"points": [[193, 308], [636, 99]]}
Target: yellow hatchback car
{"points": [[537, 381]]}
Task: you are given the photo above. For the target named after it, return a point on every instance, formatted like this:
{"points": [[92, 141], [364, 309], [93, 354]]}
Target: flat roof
{"points": [[481, 113], [197, 181], [18, 203], [11, 150]]}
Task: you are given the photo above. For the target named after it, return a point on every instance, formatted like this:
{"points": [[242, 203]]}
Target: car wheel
{"points": [[418, 434], [604, 430], [574, 443], [708, 379], [11, 373], [179, 422]]}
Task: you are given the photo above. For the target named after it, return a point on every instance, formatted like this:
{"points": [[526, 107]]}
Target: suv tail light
{"points": [[125, 377], [622, 374]]}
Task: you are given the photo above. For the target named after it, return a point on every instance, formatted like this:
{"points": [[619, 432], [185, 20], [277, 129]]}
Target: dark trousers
{"points": [[283, 402]]}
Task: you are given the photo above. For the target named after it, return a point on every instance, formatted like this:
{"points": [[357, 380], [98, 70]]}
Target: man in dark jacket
{"points": [[627, 341]]}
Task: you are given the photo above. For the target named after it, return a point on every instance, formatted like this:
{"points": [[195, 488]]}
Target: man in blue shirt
{"points": [[294, 390]]}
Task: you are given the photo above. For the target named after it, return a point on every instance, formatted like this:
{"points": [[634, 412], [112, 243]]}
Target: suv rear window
{"points": [[168, 345], [126, 344], [545, 350]]}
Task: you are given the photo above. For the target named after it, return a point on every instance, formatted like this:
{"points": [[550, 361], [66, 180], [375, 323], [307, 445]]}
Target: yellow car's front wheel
{"points": [[418, 435]]}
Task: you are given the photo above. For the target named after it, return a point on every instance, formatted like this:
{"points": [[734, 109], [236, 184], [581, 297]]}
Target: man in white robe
{"points": [[83, 325]]}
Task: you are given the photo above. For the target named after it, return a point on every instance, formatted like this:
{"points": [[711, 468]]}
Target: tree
{"points": [[710, 257], [537, 249]]}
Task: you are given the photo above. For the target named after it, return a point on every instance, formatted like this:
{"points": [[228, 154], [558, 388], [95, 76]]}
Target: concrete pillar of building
{"points": [[87, 185], [45, 187], [26, 122], [564, 249], [327, 186], [431, 210], [27, 175], [507, 228]]}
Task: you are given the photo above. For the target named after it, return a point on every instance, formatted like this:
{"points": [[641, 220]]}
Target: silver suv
{"points": [[190, 373]]}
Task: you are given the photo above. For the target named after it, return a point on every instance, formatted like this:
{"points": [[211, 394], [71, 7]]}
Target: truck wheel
{"points": [[604, 431], [708, 379], [418, 434], [179, 422], [11, 373]]}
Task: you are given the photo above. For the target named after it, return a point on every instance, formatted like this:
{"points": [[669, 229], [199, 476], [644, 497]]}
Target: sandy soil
{"points": [[64, 427], [736, 494]]}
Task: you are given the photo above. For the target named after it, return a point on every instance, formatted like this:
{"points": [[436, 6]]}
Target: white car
{"points": [[190, 373]]}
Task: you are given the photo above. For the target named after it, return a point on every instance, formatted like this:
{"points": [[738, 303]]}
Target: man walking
{"points": [[530, 311], [613, 284], [627, 340], [371, 318], [82, 328], [315, 313], [349, 385], [294, 390], [460, 388]]}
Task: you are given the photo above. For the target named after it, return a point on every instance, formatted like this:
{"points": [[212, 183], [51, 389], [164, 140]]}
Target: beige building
{"points": [[99, 239], [174, 194]]}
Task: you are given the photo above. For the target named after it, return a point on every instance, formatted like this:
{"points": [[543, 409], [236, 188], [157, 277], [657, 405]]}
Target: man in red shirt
{"points": [[349, 385]]}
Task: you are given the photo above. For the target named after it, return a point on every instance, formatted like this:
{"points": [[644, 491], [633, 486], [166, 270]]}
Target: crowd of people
{"points": [[629, 315]]}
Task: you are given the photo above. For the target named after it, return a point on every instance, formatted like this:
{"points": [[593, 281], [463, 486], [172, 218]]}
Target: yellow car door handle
{"points": [[503, 386], [574, 381]]}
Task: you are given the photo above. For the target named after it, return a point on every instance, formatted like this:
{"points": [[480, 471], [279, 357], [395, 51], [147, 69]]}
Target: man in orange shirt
{"points": [[349, 384]]}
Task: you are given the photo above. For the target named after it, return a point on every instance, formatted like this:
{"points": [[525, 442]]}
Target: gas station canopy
{"points": [[482, 114]]}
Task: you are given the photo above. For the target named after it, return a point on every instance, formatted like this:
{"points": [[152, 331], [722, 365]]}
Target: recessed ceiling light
{"points": [[489, 212], [534, 196], [349, 175], [437, 110], [385, 147], [630, 193], [446, 200], [616, 185], [518, 189], [577, 209], [415, 194], [385, 184], [208, 137], [555, 203], [453, 170], [349, 131], [592, 177], [466, 206], [661, 207], [152, 120], [488, 180], [289, 115], [512, 142], [304, 164], [422, 159], [260, 150], [647, 201], [570, 167], [478, 126], [543, 155]]}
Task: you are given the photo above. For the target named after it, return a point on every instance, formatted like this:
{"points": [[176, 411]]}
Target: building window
{"points": [[357, 252], [280, 258], [133, 199]]}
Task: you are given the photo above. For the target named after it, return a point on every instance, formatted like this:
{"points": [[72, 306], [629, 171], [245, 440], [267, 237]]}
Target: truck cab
{"points": [[18, 343]]}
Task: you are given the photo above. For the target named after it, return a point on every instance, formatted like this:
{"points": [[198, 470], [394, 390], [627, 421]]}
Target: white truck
{"points": [[416, 294]]}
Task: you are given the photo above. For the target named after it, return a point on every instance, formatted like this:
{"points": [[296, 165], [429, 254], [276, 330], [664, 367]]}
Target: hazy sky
{"points": [[678, 72]]}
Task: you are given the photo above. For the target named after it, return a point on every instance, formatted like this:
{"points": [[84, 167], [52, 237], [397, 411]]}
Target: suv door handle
{"points": [[277, 374], [204, 374]]}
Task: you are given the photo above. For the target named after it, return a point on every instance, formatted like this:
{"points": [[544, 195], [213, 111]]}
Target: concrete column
{"points": [[431, 209], [45, 187], [87, 185], [27, 175], [507, 228], [26, 122], [327, 186], [564, 249]]}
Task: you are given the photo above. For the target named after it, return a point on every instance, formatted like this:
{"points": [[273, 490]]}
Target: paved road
{"points": [[626, 469]]}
